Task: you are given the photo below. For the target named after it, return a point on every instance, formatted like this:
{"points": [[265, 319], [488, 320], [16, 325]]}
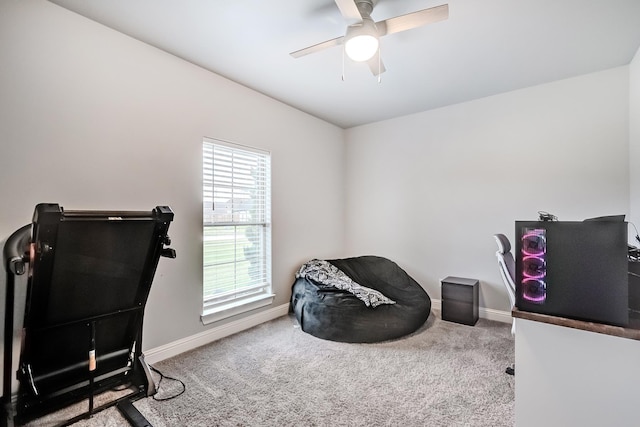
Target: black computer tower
{"points": [[573, 269]]}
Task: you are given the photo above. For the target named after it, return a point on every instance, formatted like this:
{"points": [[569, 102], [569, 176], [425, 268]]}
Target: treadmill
{"points": [[89, 274]]}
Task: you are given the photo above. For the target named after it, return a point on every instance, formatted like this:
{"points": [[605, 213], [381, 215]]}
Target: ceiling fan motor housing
{"points": [[365, 7]]}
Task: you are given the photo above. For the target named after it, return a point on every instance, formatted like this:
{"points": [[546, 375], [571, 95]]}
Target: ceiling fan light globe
{"points": [[361, 47], [361, 40]]}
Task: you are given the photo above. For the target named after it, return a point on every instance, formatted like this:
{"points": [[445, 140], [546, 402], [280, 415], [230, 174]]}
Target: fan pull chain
{"points": [[343, 78]]}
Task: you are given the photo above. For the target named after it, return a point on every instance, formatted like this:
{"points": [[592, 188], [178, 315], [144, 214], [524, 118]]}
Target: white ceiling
{"points": [[484, 48]]}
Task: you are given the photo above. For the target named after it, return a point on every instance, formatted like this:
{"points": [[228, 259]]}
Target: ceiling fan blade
{"points": [[376, 65], [349, 10], [318, 47], [413, 20]]}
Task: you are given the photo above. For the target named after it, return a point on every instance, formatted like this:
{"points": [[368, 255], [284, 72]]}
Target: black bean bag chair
{"points": [[338, 315]]}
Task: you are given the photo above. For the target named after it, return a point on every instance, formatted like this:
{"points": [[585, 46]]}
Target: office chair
{"points": [[507, 266]]}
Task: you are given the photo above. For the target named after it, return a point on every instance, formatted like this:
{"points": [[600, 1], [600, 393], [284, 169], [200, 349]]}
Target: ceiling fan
{"points": [[361, 39]]}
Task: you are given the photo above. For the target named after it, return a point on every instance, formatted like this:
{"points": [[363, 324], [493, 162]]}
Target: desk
{"points": [[573, 373]]}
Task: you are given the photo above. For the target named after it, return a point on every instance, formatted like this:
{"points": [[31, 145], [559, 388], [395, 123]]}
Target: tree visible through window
{"points": [[236, 229]]}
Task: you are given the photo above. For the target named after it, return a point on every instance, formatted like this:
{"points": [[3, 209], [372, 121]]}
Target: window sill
{"points": [[230, 309]]}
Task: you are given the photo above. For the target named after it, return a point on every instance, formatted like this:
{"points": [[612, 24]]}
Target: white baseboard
{"points": [[497, 315], [485, 313], [166, 351]]}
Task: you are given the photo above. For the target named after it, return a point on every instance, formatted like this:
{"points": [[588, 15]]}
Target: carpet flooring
{"points": [[444, 374]]}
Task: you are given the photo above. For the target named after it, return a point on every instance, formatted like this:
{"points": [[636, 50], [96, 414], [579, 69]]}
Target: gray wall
{"points": [[93, 119], [429, 190]]}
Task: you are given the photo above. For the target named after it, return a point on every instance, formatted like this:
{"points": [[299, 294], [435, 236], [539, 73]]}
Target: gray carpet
{"points": [[445, 374]]}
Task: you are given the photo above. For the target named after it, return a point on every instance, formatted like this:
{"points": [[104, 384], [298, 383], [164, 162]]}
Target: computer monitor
{"points": [[613, 218]]}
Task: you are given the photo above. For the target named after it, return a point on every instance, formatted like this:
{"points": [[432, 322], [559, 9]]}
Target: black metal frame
{"points": [[102, 341]]}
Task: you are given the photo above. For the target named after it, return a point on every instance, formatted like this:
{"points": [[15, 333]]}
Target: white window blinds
{"points": [[236, 226]]}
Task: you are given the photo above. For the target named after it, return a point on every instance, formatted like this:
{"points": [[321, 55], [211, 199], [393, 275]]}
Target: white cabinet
{"points": [[573, 377]]}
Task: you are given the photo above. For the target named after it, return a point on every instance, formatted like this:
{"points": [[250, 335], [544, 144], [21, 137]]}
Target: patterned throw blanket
{"points": [[328, 274]]}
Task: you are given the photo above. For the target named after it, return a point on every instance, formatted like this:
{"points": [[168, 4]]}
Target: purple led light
{"points": [[533, 250], [539, 254], [535, 235], [542, 268], [538, 293]]}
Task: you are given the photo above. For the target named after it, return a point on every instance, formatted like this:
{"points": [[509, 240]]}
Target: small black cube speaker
{"points": [[460, 300]]}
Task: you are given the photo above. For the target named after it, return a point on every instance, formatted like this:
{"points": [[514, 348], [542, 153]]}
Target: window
{"points": [[236, 229]]}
